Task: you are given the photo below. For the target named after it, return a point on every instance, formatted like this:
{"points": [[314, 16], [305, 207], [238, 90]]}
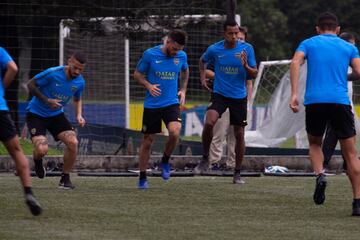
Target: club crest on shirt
{"points": [[176, 61], [33, 131], [238, 55], [74, 89]]}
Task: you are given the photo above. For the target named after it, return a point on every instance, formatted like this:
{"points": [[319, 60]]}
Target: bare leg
{"points": [[21, 162], [315, 153], [40, 150], [207, 135], [317, 161], [239, 153], [173, 139], [239, 147], [40, 146], [351, 156], [22, 167], [144, 152], [70, 152], [231, 143]]}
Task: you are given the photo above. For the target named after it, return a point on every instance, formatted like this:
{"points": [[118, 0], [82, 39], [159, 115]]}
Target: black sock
{"points": [[28, 190], [356, 200], [142, 175], [65, 175], [165, 159], [38, 162], [237, 171]]}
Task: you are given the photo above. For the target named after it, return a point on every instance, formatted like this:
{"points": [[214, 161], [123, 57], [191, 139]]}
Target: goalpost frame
{"points": [[262, 65], [63, 32]]}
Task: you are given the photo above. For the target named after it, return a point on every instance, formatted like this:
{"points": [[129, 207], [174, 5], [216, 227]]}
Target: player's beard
{"points": [[72, 73], [168, 52]]}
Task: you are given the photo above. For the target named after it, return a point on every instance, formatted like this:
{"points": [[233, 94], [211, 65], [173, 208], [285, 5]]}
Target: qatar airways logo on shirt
{"points": [[165, 75], [229, 70], [61, 97]]}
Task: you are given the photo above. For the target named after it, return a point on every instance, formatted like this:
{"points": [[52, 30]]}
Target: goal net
{"points": [[271, 121], [114, 45]]}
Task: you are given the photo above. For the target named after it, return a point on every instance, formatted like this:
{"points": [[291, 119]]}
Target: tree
{"points": [[302, 17], [267, 27]]}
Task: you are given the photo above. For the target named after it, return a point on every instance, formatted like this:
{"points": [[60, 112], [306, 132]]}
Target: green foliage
{"points": [[302, 16], [267, 27]]}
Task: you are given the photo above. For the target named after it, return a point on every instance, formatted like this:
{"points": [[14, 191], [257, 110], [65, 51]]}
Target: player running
{"points": [[158, 72], [52, 89]]}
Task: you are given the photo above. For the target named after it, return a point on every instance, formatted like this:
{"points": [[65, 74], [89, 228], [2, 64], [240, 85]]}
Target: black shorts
{"points": [[38, 125], [7, 126], [237, 108], [152, 118], [338, 116]]}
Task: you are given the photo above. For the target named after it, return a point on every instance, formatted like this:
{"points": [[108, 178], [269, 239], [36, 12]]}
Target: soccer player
{"points": [[234, 62], [326, 100], [158, 71], [330, 139], [8, 136], [52, 89], [222, 129]]}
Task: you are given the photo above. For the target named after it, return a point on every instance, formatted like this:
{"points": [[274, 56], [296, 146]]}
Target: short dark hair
{"points": [[178, 36], [80, 57], [327, 21], [347, 36], [230, 23]]}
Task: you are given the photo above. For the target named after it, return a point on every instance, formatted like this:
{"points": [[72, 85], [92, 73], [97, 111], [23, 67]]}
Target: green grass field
{"points": [[183, 208], [27, 147]]}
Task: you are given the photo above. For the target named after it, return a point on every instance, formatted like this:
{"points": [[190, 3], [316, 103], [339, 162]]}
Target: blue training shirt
{"points": [[164, 70], [4, 60], [54, 84], [230, 74], [328, 58]]}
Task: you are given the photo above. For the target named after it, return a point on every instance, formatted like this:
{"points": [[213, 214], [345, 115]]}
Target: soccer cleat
{"points": [[356, 207], [202, 167], [39, 169], [65, 182], [33, 205], [165, 171], [237, 179], [319, 194], [143, 184]]}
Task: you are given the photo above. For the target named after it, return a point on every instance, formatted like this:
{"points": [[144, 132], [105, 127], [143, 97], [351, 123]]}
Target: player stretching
{"points": [[8, 136], [158, 72], [52, 89], [326, 99]]}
